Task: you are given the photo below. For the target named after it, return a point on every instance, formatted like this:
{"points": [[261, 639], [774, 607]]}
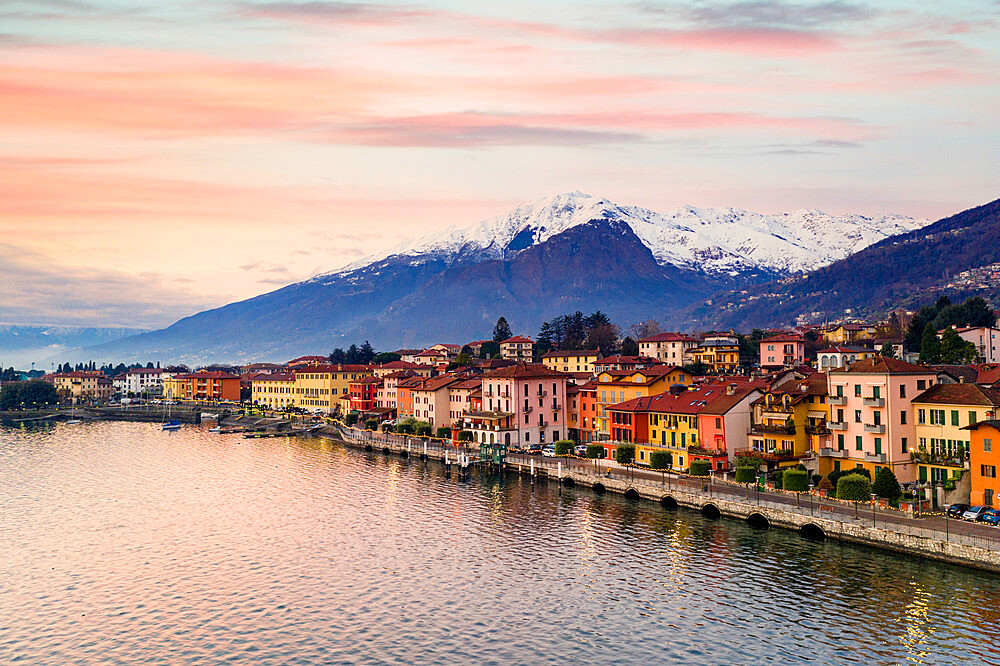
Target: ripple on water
{"points": [[123, 543]]}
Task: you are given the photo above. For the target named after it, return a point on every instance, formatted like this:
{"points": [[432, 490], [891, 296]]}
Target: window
{"points": [[857, 416], [954, 417], [878, 446], [876, 392], [921, 416], [840, 391], [903, 445], [857, 390], [987, 445], [902, 390], [972, 418], [921, 384], [988, 471], [857, 443], [840, 442], [902, 417]]}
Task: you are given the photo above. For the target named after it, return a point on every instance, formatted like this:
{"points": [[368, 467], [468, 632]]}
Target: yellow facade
{"points": [[789, 427], [326, 387], [570, 361], [718, 357], [670, 432], [173, 388], [274, 392], [942, 446], [614, 388]]}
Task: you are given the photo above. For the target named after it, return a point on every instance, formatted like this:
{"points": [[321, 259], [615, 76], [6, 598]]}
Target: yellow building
{"points": [[79, 385], [721, 353], [788, 423], [324, 387], [173, 387], [941, 415], [274, 391], [844, 333], [571, 360], [616, 387]]}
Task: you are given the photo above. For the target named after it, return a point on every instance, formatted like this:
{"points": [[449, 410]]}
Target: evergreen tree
{"points": [[367, 352], [629, 346], [886, 486], [501, 331], [887, 351], [956, 350], [930, 345]]}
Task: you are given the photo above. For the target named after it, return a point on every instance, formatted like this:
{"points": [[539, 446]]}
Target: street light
{"points": [[874, 496], [810, 498]]}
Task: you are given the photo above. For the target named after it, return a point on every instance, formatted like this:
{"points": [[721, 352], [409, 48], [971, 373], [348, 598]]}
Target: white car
{"points": [[549, 452]]}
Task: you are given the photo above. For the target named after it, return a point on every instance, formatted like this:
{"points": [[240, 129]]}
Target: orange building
{"points": [[209, 386], [984, 459]]}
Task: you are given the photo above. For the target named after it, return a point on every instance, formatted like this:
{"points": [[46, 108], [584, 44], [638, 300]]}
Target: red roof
{"points": [[342, 367], [570, 352], [524, 371], [887, 366], [987, 373], [628, 360], [784, 337], [401, 365], [273, 377], [518, 338], [689, 402], [215, 374], [668, 337]]}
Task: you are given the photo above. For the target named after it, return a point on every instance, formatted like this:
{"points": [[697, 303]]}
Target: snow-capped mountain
{"points": [[717, 241]]}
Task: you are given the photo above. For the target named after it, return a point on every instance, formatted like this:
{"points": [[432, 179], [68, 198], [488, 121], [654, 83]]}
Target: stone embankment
{"points": [[711, 501]]}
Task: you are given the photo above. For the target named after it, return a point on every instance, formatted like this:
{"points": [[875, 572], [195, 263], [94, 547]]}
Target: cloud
{"points": [[37, 289], [347, 12], [772, 14]]}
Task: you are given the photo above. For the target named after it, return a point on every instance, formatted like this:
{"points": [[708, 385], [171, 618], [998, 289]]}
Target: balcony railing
{"points": [[837, 399], [760, 428], [775, 455], [832, 453], [836, 425], [875, 428], [874, 402], [817, 429], [935, 458], [875, 457], [542, 394]]}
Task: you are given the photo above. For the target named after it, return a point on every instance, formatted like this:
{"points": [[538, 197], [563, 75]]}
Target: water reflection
{"points": [[202, 548]]}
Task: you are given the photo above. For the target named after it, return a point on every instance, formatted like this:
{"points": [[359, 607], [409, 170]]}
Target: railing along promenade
{"points": [[933, 536]]}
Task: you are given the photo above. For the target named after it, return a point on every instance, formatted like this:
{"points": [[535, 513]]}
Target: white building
{"points": [[145, 380], [986, 339]]}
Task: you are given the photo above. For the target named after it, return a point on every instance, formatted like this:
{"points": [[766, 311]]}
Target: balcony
{"points": [[837, 399], [836, 425], [878, 429], [542, 394], [874, 402], [775, 455], [760, 429], [819, 429], [832, 453], [875, 457], [935, 458]]}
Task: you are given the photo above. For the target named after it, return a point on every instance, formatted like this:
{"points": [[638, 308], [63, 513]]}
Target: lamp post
{"points": [[810, 498], [874, 496]]}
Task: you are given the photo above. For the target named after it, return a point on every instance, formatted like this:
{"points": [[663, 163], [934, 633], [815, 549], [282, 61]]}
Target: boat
{"points": [[172, 425], [73, 420], [205, 416], [215, 429]]}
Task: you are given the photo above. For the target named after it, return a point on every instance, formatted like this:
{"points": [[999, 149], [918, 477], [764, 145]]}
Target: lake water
{"points": [[123, 543]]}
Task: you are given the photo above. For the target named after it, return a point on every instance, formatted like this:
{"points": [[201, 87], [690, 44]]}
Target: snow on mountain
{"points": [[716, 241]]}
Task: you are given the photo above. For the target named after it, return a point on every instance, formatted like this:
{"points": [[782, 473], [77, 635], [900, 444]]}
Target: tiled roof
{"points": [[619, 359], [784, 337], [274, 377], [885, 366], [959, 394], [845, 350], [688, 402], [400, 365], [962, 373], [668, 337], [518, 338], [987, 373], [570, 352], [215, 374], [523, 371]]}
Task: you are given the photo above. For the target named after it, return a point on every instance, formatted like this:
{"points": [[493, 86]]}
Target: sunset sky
{"points": [[157, 159]]}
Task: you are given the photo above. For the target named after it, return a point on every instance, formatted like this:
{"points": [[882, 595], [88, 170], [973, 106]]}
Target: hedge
{"points": [[854, 487], [660, 460], [595, 451], [746, 474], [796, 480], [625, 454], [465, 436], [444, 432], [371, 424], [424, 430], [563, 447], [351, 418], [404, 428], [700, 468], [776, 479], [388, 427]]}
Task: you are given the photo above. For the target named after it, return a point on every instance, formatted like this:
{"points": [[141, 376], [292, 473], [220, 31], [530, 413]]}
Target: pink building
{"points": [[523, 404], [782, 351], [871, 420]]}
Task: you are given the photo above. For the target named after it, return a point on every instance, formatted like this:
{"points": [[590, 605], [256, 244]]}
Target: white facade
{"points": [[140, 380], [987, 341]]}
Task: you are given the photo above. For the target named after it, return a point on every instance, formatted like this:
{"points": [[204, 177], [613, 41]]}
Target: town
{"points": [[901, 399]]}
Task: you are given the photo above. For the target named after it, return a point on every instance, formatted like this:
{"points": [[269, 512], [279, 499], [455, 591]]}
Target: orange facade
{"points": [[210, 386], [984, 460]]}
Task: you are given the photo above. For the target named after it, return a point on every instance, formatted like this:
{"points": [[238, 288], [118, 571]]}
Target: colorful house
{"points": [[673, 348], [984, 459], [838, 357], [621, 363], [723, 424], [571, 360], [274, 390], [942, 415], [782, 351], [871, 420], [720, 353], [210, 385], [614, 387], [523, 404], [786, 419], [363, 393], [518, 348]]}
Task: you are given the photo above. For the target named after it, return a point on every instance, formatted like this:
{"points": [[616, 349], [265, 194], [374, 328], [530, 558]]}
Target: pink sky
{"points": [[161, 161]]}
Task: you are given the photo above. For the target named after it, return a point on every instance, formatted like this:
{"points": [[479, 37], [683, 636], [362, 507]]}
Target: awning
{"points": [[817, 415]]}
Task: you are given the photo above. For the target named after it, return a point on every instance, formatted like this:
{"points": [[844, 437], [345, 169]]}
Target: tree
{"points": [[423, 429], [956, 350], [625, 454], [465, 436], [886, 485], [34, 392], [371, 424], [700, 468], [563, 447], [887, 351], [351, 418], [366, 352], [501, 331], [603, 337], [443, 432], [696, 368], [338, 356], [467, 350], [630, 347], [930, 345], [386, 357], [795, 479], [489, 349], [644, 329], [854, 488], [746, 474], [595, 451], [460, 361], [660, 460]]}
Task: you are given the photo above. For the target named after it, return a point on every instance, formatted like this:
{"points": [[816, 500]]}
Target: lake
{"points": [[123, 543]]}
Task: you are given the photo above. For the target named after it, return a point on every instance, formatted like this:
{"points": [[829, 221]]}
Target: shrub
{"points": [[700, 468], [886, 485], [625, 454], [371, 424], [595, 451], [746, 474], [795, 479], [443, 432], [563, 447], [836, 476], [816, 478], [351, 418], [423, 430], [388, 427], [404, 428], [825, 484], [854, 487], [660, 460], [465, 436], [748, 461]]}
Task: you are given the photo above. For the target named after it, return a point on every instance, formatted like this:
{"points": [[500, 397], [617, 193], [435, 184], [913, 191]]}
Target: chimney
{"points": [[731, 389]]}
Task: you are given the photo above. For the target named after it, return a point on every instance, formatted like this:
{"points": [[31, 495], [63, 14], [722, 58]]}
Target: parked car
{"points": [[956, 510], [991, 517], [973, 512], [549, 451], [534, 449], [580, 450]]}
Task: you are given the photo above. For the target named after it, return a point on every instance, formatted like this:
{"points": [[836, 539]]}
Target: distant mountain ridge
{"points": [[906, 270], [559, 254], [20, 345]]}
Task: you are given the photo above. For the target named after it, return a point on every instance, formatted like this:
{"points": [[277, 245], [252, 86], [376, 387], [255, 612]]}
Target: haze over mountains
{"points": [[559, 254]]}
